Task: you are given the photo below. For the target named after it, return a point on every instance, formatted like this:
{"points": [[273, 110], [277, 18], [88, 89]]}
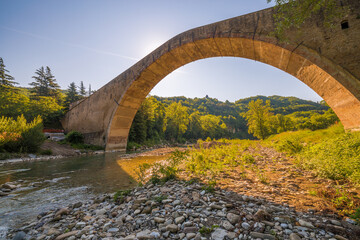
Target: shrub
{"points": [[20, 136], [74, 137]]}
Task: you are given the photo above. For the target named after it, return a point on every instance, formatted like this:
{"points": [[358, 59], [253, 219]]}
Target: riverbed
{"points": [[50, 184]]}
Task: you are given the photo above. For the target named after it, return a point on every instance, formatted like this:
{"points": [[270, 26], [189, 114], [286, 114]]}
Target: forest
{"points": [[181, 119], [160, 120]]}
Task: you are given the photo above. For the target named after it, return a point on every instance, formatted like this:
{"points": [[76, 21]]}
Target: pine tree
{"points": [[82, 89], [72, 94], [90, 92], [5, 79], [45, 83]]}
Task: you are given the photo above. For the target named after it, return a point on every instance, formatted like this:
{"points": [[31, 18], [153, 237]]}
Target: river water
{"points": [[51, 184]]}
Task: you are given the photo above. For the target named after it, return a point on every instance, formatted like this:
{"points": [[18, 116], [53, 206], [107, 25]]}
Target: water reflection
{"points": [[58, 182]]}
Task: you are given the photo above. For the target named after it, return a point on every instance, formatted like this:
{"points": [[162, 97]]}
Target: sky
{"points": [[94, 41]]}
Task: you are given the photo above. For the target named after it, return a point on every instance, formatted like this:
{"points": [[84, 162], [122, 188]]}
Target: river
{"points": [[51, 184]]}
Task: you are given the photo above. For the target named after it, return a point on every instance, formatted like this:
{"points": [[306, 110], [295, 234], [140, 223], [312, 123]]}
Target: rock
{"points": [[77, 205], [233, 218], [195, 196], [3, 194], [8, 186], [262, 215], [155, 235], [245, 225], [338, 237], [172, 228], [227, 225], [146, 210], [159, 220], [306, 224], [53, 231], [179, 219], [80, 224], [335, 222], [219, 234], [113, 230], [262, 235], [62, 211], [190, 229], [294, 236], [144, 235], [66, 235], [190, 235], [19, 236]]}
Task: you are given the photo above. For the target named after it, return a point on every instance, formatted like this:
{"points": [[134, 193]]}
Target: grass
{"points": [[330, 153]]}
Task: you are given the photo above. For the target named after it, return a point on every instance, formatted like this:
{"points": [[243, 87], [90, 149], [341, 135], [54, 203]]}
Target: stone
{"points": [[113, 230], [159, 220], [228, 226], [62, 211], [190, 229], [262, 235], [144, 235], [179, 219], [294, 236], [245, 225], [195, 196], [262, 215], [9, 186], [66, 235], [172, 228], [233, 218], [20, 236], [306, 224], [219, 234], [190, 235]]}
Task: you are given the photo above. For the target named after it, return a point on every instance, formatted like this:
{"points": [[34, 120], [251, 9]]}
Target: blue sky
{"points": [[94, 41]]}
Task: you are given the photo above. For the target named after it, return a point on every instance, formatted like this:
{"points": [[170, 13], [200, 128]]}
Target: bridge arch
{"points": [[106, 116]]}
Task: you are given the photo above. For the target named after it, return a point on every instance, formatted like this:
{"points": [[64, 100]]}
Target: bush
{"points": [[74, 137], [20, 136]]}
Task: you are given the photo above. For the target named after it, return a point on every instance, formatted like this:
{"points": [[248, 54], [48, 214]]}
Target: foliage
{"points": [[258, 118], [72, 95], [120, 195], [330, 153], [45, 83], [74, 137], [210, 186], [160, 198], [161, 172], [294, 13], [5, 78], [206, 231], [176, 120], [20, 136], [82, 89]]}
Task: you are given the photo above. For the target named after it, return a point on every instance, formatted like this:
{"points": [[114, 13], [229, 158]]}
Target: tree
{"points": [[72, 94], [176, 120], [293, 13], [82, 89], [45, 83], [5, 78], [258, 118]]}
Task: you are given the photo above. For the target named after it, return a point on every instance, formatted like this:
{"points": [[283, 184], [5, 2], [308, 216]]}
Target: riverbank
{"points": [[183, 210]]}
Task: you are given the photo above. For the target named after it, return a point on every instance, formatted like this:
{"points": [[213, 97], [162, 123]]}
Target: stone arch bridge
{"points": [[327, 60]]}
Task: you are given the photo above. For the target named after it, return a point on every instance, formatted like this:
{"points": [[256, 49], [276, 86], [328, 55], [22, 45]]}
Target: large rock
{"points": [[233, 218], [219, 234]]}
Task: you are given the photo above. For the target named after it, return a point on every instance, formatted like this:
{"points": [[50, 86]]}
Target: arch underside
{"points": [[335, 85]]}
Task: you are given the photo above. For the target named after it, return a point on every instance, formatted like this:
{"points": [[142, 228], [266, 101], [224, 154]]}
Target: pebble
{"points": [[230, 216]]}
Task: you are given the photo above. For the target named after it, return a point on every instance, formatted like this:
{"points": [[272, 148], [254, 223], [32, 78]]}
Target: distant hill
{"points": [[281, 105]]}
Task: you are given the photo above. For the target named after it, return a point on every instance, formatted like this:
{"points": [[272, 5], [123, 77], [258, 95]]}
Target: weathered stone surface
{"points": [[66, 235], [327, 61]]}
